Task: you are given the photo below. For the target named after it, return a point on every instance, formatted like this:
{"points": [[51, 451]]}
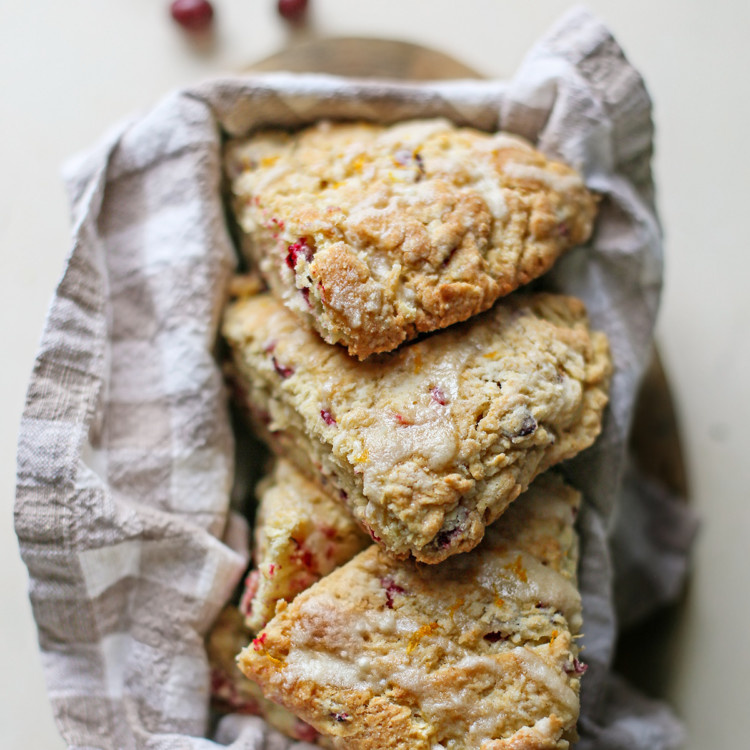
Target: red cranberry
{"points": [[292, 10], [438, 396], [391, 588], [445, 538], [528, 427], [285, 372], [306, 558], [578, 667], [297, 249], [327, 417], [369, 530], [194, 15]]}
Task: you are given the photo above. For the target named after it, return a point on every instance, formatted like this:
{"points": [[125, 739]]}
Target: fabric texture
{"points": [[125, 459]]}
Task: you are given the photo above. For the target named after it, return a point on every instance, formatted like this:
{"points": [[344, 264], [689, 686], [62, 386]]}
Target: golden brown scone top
{"points": [[374, 234]]}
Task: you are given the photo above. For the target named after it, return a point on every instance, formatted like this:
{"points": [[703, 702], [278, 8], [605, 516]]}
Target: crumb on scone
{"points": [[429, 444], [301, 535], [374, 234], [479, 652]]}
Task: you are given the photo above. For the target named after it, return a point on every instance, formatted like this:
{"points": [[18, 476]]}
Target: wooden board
{"points": [[358, 57]]}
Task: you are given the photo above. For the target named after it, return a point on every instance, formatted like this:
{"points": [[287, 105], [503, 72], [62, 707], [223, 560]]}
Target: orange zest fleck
{"points": [[419, 634], [452, 611], [491, 355], [516, 567], [260, 648], [553, 635], [499, 602], [417, 362], [363, 457], [268, 161], [278, 663]]}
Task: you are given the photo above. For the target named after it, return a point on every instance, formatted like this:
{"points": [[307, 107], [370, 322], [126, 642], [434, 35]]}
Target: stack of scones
{"points": [[414, 568]]}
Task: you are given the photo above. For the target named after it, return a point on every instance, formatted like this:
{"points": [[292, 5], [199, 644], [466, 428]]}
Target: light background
{"points": [[72, 69]]}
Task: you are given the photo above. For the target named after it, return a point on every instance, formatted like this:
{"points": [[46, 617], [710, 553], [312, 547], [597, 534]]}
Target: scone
{"points": [[479, 652], [232, 692], [301, 534], [374, 234], [426, 445]]}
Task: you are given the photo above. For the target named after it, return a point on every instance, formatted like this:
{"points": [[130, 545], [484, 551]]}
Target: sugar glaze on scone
{"points": [[374, 234], [301, 535], [429, 444], [476, 653]]}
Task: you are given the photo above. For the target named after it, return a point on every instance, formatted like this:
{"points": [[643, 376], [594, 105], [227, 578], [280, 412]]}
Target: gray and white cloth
{"points": [[125, 459]]}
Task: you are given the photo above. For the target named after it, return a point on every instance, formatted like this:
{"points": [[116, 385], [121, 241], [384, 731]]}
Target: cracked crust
{"points": [[301, 535], [429, 444], [478, 653], [375, 234]]}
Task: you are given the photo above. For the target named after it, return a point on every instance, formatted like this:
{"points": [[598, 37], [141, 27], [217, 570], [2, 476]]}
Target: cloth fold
{"points": [[125, 458]]}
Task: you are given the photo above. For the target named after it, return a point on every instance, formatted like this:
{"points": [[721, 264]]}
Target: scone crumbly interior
{"points": [[301, 535]]}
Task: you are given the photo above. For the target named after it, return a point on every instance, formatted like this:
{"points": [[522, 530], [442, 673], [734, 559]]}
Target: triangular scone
{"points": [[475, 653], [301, 535], [429, 444], [374, 234]]}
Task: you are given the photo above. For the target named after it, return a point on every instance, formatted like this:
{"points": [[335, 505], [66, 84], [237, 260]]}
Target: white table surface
{"points": [[71, 69]]}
